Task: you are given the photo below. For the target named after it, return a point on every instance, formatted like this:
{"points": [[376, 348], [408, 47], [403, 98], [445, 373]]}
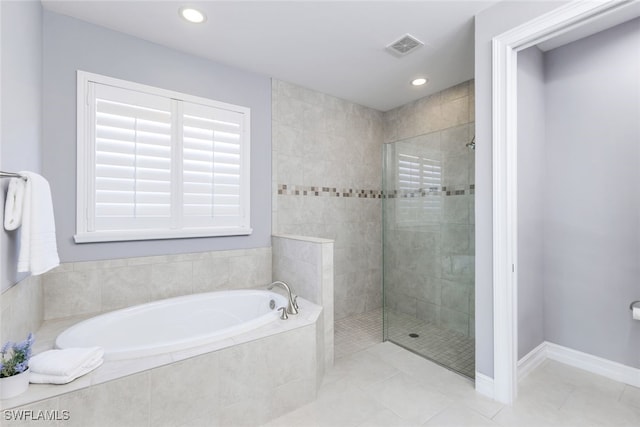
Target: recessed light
{"points": [[419, 81], [192, 15]]}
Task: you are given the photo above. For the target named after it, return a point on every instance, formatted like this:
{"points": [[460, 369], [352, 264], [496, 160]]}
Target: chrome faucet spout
{"points": [[292, 306]]}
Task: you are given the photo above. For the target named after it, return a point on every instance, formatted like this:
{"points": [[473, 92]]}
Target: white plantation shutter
{"points": [[132, 160], [212, 165], [418, 176], [157, 164]]}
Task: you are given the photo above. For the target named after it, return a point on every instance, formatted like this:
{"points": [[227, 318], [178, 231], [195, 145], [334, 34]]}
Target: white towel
{"points": [[63, 366], [38, 249], [36, 378], [14, 203]]}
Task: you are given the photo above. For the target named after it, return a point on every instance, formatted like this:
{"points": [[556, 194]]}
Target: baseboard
{"points": [[484, 385], [597, 365], [577, 359], [594, 364], [532, 360]]}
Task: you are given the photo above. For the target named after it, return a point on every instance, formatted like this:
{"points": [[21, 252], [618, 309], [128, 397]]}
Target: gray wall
{"points": [[69, 45], [531, 173], [592, 233], [21, 118], [489, 23]]}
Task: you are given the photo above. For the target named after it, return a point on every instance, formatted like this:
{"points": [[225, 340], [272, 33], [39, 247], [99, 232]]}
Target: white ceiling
{"points": [[335, 47]]}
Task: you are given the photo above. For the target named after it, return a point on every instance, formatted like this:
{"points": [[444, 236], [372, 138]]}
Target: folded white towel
{"points": [[66, 362], [14, 203], [38, 248], [38, 378]]}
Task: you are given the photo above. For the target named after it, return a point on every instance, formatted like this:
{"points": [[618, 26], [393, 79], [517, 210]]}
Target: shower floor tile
{"points": [[356, 333], [452, 349], [449, 348]]}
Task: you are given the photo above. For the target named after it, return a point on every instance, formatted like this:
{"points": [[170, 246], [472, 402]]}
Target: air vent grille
{"points": [[404, 45]]}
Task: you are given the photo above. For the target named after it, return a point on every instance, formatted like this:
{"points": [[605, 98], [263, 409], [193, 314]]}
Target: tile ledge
{"points": [[304, 238]]}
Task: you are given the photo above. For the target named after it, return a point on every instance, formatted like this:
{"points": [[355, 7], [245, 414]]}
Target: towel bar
{"points": [[633, 304], [11, 175]]}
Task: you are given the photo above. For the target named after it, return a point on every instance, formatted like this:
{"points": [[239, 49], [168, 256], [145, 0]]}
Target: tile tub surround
{"points": [[307, 262], [21, 309], [325, 145], [93, 287], [246, 380]]}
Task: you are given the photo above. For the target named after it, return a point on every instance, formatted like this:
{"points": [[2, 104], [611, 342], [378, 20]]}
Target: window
{"points": [[156, 164], [419, 189]]}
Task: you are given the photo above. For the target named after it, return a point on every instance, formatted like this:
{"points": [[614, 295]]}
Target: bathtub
{"points": [[174, 324]]}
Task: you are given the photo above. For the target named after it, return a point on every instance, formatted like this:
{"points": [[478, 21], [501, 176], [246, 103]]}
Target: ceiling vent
{"points": [[404, 45]]}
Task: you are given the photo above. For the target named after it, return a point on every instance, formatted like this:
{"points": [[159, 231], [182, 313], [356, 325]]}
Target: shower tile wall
{"points": [[326, 183], [429, 259]]}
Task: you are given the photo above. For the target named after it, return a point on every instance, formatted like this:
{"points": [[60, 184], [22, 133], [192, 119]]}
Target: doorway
{"points": [[571, 20]]}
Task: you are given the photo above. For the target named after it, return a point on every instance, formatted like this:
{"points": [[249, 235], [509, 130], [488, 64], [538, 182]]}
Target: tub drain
{"points": [[414, 335]]}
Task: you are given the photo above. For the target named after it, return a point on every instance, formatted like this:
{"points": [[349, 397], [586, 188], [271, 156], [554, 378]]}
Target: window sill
{"points": [[123, 236]]}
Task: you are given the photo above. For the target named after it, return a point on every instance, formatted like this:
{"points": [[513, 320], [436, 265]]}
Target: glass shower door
{"points": [[428, 253]]}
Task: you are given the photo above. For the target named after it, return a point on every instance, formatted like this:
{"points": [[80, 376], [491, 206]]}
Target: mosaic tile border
{"points": [[303, 190], [432, 191]]}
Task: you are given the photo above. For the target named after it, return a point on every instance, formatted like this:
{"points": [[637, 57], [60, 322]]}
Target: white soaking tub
{"points": [[174, 324]]}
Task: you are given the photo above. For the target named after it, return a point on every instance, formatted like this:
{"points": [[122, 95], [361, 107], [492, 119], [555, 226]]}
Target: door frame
{"points": [[505, 49]]}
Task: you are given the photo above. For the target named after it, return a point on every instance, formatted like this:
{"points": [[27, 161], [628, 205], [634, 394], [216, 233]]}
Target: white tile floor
{"points": [[385, 385]]}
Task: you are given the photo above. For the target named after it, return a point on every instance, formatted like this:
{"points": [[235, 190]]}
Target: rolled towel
{"points": [[14, 203], [63, 366]]}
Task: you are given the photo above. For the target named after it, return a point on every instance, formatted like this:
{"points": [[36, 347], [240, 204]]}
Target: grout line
{"points": [[566, 397], [439, 412], [498, 413]]}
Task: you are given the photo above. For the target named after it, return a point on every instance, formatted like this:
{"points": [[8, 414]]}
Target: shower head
{"points": [[472, 144]]}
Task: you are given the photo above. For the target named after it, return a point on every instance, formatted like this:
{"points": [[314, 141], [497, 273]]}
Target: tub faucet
{"points": [[292, 307]]}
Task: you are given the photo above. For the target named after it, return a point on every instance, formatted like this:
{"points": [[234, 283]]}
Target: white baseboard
{"points": [[532, 360], [484, 385], [597, 365], [594, 364]]}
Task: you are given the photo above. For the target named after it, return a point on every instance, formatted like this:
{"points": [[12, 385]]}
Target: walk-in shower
{"points": [[428, 246]]}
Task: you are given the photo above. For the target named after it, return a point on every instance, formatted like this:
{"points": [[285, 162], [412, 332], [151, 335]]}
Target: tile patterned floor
{"points": [[454, 350], [385, 385], [356, 333]]}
